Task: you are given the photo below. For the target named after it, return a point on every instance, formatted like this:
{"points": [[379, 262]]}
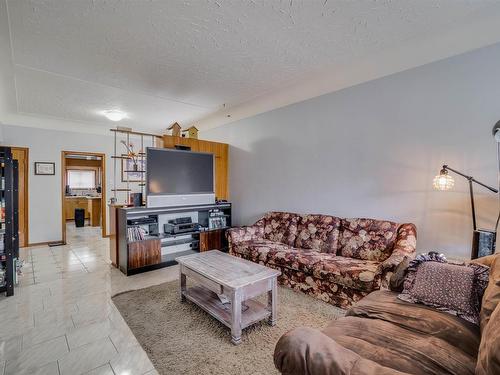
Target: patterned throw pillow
{"points": [[453, 288]]}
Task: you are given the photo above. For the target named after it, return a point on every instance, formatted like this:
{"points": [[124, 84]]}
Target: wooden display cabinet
{"points": [[144, 253], [160, 248], [221, 153], [212, 240]]}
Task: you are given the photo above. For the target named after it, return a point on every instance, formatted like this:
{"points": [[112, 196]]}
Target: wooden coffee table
{"points": [[240, 280]]}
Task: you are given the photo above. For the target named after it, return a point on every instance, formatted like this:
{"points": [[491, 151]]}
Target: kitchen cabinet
{"points": [[91, 205]]}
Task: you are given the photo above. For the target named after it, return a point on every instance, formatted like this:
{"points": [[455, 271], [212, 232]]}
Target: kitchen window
{"points": [[81, 179]]}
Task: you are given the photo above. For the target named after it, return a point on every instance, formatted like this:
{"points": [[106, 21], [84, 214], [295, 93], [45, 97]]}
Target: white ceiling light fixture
{"points": [[115, 115]]}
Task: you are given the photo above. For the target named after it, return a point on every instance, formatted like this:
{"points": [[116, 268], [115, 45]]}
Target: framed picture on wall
{"points": [[134, 171], [45, 168]]}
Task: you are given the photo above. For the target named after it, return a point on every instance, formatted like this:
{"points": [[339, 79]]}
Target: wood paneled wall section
{"points": [[113, 234], [21, 154], [221, 152]]}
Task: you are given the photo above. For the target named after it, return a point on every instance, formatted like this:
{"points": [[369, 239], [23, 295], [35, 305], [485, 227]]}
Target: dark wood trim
{"points": [[63, 196], [26, 198]]}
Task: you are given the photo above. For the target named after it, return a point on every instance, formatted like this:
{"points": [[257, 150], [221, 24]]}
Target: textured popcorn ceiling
{"points": [[173, 60]]}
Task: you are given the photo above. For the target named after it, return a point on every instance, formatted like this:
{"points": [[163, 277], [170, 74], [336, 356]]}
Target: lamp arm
{"points": [[470, 178]]}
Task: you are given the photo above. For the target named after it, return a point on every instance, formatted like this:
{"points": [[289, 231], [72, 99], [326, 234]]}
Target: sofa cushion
{"points": [[421, 319], [349, 272], [404, 350], [258, 250], [382, 335], [307, 351], [318, 232], [491, 297], [352, 273], [281, 227], [355, 273], [274, 253], [411, 338], [488, 358], [367, 239]]}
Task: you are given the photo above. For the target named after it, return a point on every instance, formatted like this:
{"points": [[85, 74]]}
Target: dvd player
{"points": [[142, 220], [179, 225]]}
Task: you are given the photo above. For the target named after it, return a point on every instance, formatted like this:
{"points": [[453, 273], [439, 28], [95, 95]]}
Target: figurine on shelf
{"points": [[176, 129], [191, 132]]}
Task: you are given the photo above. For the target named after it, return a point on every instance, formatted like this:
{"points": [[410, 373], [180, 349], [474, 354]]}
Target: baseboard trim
{"points": [[41, 243]]}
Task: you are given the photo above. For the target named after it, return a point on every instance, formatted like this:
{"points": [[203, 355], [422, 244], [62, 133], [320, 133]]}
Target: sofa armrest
{"points": [[405, 246], [307, 351], [238, 234]]}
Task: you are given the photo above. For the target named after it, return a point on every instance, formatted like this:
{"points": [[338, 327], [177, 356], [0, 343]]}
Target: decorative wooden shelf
{"points": [[120, 157], [121, 189], [135, 133], [135, 171]]}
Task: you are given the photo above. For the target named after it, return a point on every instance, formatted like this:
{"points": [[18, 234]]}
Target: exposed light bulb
{"points": [[443, 181], [115, 115]]}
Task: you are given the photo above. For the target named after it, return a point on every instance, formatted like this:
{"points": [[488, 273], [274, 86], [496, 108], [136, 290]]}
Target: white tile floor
{"points": [[61, 319]]}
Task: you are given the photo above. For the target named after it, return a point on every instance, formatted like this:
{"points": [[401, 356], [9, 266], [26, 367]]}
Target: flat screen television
{"points": [[178, 177]]}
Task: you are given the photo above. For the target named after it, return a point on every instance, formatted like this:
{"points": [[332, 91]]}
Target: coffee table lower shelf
{"points": [[252, 311]]}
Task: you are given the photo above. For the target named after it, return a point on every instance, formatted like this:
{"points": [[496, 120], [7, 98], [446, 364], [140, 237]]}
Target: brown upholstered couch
{"points": [[384, 335], [336, 260]]}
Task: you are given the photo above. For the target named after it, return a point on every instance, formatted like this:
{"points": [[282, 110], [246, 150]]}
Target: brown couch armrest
{"points": [[306, 351], [486, 260], [406, 245]]}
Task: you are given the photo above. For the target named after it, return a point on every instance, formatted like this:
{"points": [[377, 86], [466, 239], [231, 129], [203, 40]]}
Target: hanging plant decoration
{"points": [[131, 164]]}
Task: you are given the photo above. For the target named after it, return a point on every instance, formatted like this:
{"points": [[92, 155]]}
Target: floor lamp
{"points": [[483, 241]]}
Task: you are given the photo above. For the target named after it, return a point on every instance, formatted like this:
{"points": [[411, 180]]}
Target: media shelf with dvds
{"points": [[9, 241], [151, 238]]}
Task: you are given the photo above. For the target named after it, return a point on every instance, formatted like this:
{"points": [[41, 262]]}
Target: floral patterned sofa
{"points": [[336, 260]]}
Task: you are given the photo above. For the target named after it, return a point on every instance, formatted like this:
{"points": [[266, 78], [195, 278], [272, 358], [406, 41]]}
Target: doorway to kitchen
{"points": [[83, 193]]}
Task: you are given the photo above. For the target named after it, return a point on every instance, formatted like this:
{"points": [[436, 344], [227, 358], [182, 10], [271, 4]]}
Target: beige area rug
{"points": [[180, 338]]}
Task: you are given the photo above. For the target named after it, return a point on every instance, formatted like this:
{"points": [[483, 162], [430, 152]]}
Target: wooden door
{"points": [[21, 154]]}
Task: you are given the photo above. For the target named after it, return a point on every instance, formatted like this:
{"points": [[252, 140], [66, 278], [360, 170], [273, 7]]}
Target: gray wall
{"points": [[372, 151], [45, 191]]}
